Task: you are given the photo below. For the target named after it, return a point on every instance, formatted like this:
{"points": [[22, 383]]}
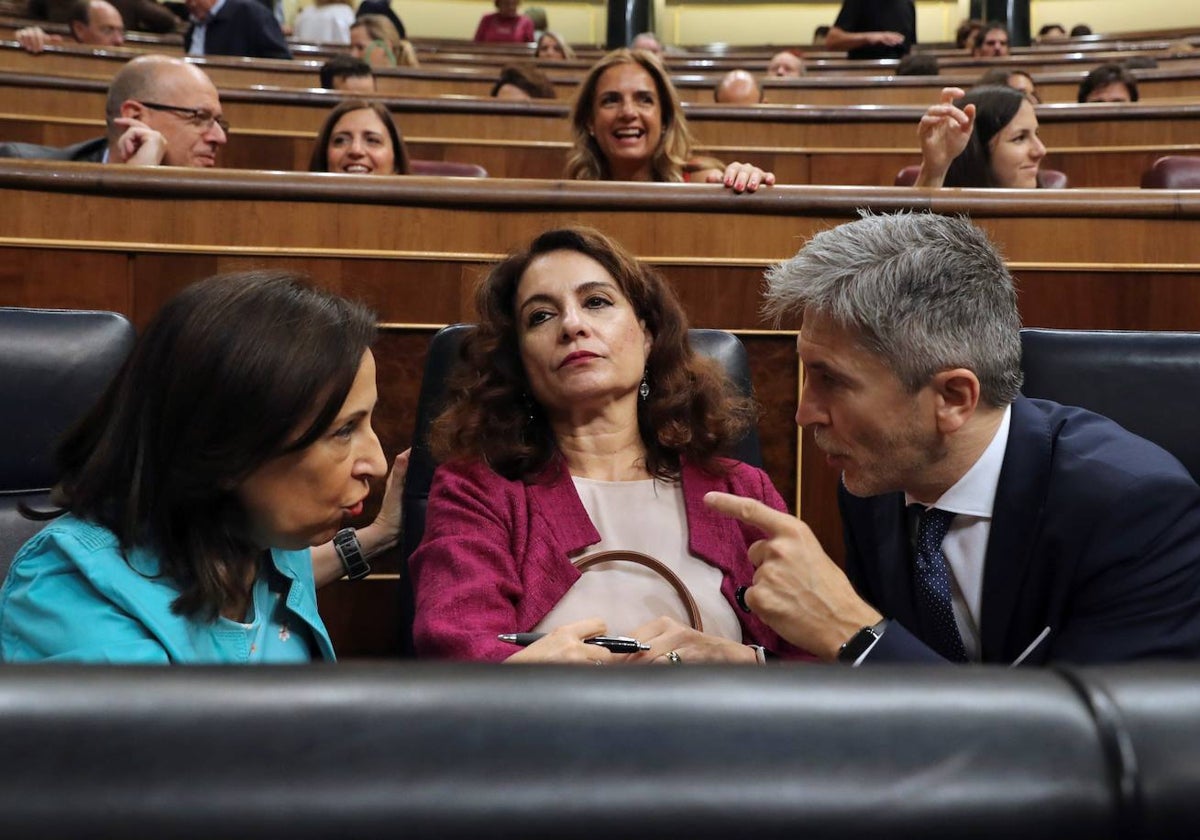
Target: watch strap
{"points": [[349, 551], [861, 642]]}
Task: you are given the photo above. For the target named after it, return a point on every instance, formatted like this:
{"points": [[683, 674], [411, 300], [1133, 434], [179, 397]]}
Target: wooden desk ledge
{"points": [[500, 193]]}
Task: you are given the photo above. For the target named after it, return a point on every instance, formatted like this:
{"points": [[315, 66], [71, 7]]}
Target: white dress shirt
{"points": [[200, 28], [972, 499]]}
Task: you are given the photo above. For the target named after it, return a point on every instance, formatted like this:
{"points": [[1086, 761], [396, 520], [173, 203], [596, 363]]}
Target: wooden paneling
{"points": [[1090, 166], [782, 126], [835, 84], [413, 247]]}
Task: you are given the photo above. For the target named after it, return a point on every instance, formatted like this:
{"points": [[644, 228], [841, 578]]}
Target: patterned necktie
{"points": [[932, 576]]}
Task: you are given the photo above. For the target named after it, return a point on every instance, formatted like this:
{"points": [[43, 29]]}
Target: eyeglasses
{"points": [[201, 118]]}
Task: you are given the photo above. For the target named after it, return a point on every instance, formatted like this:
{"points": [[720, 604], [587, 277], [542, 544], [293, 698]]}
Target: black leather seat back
{"points": [[54, 364], [1146, 381], [480, 751]]}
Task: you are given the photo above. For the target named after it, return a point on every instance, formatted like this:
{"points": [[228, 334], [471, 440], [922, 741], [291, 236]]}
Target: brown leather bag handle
{"points": [[657, 566]]}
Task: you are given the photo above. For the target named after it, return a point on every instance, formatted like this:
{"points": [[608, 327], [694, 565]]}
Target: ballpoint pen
{"points": [[616, 644]]}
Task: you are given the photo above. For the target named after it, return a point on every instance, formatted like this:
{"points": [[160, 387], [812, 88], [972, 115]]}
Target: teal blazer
{"points": [[73, 594]]}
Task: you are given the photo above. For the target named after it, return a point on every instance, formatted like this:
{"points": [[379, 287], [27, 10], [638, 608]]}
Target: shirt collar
{"points": [[975, 493], [220, 4]]}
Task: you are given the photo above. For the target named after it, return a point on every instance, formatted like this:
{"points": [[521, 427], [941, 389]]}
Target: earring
{"points": [[644, 388]]}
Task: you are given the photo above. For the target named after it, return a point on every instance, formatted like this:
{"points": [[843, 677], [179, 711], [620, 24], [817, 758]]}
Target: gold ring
{"points": [[674, 658]]}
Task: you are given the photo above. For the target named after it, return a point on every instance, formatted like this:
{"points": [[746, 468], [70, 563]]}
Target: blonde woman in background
{"points": [[374, 39]]}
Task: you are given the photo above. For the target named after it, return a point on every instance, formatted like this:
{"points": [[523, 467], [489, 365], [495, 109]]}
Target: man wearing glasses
{"points": [[161, 111]]}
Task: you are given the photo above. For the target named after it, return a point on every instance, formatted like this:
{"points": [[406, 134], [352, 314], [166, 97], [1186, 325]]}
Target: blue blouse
{"points": [[73, 594]]}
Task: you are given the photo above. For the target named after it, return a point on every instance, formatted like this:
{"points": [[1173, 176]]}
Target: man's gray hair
{"points": [[923, 292]]}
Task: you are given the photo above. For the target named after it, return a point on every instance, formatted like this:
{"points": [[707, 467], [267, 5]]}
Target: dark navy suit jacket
{"points": [[88, 151], [242, 27], [1095, 534]]}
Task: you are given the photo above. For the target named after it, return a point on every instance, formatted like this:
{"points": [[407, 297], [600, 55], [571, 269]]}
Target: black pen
{"points": [[616, 644]]}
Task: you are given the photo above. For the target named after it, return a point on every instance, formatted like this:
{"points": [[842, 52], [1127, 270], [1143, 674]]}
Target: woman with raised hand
{"points": [[985, 138]]}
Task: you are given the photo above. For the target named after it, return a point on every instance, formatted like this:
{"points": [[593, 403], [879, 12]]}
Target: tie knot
{"points": [[933, 526]]}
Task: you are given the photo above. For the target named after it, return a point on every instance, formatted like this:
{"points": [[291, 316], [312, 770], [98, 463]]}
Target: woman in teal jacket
{"points": [[236, 436]]}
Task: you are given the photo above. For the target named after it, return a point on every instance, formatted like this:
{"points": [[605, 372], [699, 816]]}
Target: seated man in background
{"points": [[1109, 83], [522, 83], [968, 33], [980, 526], [992, 42], [1050, 33], [918, 64], [234, 27], [159, 111], [738, 87], [786, 64], [347, 73], [140, 15], [647, 41], [96, 23]]}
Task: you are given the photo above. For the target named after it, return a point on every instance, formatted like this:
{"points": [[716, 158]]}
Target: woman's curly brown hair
{"points": [[693, 410]]}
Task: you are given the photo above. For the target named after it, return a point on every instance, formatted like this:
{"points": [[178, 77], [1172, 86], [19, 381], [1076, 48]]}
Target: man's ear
{"points": [[77, 29], [132, 109], [956, 395]]}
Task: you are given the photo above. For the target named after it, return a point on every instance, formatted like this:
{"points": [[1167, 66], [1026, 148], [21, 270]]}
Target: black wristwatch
{"points": [[861, 642], [345, 543]]}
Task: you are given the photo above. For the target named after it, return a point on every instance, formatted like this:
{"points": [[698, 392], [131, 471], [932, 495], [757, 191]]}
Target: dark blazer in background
{"points": [[1095, 534], [88, 151], [242, 27]]}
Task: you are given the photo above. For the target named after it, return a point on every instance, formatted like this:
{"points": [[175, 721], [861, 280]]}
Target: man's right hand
{"points": [[139, 145], [34, 39], [798, 590]]}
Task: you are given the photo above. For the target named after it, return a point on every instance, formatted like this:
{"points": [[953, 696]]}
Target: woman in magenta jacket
{"points": [[582, 422]]}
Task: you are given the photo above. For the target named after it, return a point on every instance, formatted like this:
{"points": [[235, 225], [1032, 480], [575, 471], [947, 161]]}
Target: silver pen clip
{"points": [[1041, 637]]}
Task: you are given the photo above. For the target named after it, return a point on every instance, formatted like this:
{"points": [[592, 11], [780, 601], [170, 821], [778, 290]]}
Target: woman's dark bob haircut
{"points": [[995, 107], [319, 162], [1105, 75], [234, 371], [692, 412]]}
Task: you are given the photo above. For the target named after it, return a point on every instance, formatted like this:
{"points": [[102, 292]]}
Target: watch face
{"points": [[858, 643]]}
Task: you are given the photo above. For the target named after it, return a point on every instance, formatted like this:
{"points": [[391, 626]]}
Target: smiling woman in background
{"points": [[628, 125], [986, 138], [237, 435], [359, 138]]}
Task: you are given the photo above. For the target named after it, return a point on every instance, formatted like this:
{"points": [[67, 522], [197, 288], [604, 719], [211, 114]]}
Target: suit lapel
{"points": [[889, 573], [1016, 519]]}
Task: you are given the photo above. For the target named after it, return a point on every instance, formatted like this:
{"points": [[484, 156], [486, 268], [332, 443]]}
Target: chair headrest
{"points": [[54, 365]]}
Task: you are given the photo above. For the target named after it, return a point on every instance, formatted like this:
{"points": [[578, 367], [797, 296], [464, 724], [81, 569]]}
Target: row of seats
{"points": [[53, 364], [479, 751]]}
